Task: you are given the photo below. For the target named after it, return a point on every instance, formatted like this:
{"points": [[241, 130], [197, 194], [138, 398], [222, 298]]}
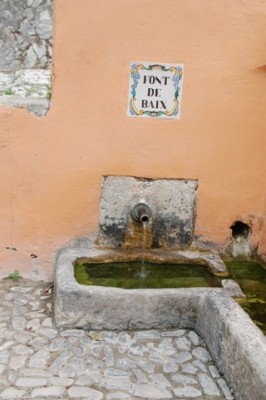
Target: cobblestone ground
{"points": [[39, 361]]}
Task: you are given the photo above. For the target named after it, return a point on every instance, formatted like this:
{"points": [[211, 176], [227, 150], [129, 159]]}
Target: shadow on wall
{"points": [[240, 239]]}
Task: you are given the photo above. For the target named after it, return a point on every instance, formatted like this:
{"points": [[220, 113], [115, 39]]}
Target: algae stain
{"points": [[250, 276]]}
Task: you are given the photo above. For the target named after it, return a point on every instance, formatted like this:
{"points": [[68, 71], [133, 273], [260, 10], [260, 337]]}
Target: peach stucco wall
{"points": [[51, 167]]}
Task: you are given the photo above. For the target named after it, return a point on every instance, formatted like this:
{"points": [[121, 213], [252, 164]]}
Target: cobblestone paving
{"points": [[37, 361]]}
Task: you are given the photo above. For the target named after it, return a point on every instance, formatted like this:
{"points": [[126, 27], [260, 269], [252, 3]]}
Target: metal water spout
{"points": [[141, 213]]}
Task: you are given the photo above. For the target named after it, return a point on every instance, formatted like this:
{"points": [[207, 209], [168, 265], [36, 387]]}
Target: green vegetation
{"points": [[49, 91], [8, 92], [138, 275], [14, 276], [251, 277]]}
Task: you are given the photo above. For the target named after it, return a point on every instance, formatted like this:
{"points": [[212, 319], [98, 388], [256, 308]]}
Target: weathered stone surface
{"points": [[202, 354], [39, 359], [85, 392], [21, 29], [31, 382], [189, 369], [172, 222], [187, 392], [49, 391], [225, 389], [208, 385], [236, 344], [184, 379], [17, 362], [109, 365], [37, 106], [194, 337], [12, 393], [150, 391], [182, 357]]}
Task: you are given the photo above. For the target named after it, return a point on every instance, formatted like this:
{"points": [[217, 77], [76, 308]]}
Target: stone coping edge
{"points": [[38, 106], [236, 344]]}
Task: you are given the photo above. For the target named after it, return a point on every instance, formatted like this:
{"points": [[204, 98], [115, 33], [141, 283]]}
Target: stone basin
{"points": [[237, 346]]}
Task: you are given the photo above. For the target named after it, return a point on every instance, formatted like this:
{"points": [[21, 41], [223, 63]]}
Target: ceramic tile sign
{"points": [[155, 90]]}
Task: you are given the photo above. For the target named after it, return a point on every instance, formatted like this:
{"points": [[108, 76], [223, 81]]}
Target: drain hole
{"points": [[240, 230]]}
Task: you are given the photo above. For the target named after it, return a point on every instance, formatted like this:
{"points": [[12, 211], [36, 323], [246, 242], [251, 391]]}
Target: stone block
{"points": [[172, 203]]}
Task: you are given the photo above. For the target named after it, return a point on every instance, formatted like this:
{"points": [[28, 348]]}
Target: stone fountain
{"points": [[153, 220]]}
